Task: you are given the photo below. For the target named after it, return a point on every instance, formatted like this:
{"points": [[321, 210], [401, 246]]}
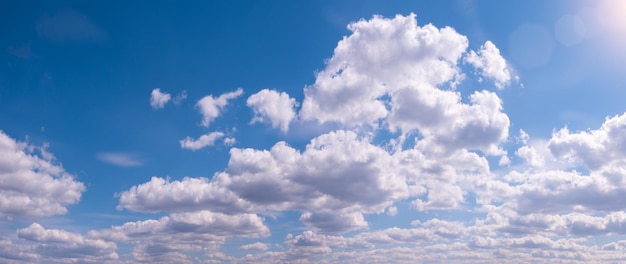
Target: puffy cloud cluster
{"points": [[58, 244], [402, 74], [31, 183], [338, 177], [594, 148]]}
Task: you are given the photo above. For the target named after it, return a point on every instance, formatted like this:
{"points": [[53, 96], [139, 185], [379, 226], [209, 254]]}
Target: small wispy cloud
{"points": [[120, 159], [180, 97]]}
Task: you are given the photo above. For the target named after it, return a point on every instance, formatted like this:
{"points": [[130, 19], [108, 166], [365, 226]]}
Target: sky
{"points": [[278, 131]]}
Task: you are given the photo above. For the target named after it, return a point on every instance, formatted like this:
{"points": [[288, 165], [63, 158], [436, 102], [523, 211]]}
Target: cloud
{"points": [[69, 25], [31, 184], [490, 64], [594, 148], [165, 239], [270, 105], [58, 245], [120, 159], [203, 141], [338, 177], [380, 58], [255, 246], [397, 72], [211, 107], [186, 195], [333, 222], [392, 211], [180, 97], [11, 252], [387, 77], [159, 99], [190, 227]]}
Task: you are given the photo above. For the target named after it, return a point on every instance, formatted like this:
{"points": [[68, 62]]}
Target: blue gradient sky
{"points": [[77, 79]]}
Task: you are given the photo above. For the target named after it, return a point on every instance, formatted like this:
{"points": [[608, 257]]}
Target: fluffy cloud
{"points": [[593, 148], [32, 184], [272, 106], [393, 70], [164, 240], [379, 58], [490, 64], [186, 195], [154, 241], [210, 107], [200, 226], [338, 177], [55, 244], [203, 141], [11, 252], [159, 99], [336, 171], [391, 75]]}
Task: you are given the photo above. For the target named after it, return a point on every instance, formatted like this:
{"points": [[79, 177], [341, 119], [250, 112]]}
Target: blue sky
{"points": [[312, 131]]}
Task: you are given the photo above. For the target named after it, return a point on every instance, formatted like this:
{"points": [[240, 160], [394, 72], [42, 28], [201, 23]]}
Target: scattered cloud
{"points": [[159, 99], [180, 97], [272, 106], [121, 159], [229, 141], [255, 246], [490, 64], [60, 245], [210, 107], [389, 76], [203, 141], [31, 183], [186, 195], [385, 58]]}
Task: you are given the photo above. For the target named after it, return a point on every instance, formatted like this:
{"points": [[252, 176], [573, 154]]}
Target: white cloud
{"points": [[392, 211], [229, 141], [336, 171], [190, 227], [159, 99], [166, 239], [490, 64], [120, 159], [11, 252], [203, 141], [186, 195], [211, 107], [393, 70], [33, 185], [333, 182], [381, 58], [60, 245], [272, 106], [255, 246], [334, 222], [593, 148]]}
